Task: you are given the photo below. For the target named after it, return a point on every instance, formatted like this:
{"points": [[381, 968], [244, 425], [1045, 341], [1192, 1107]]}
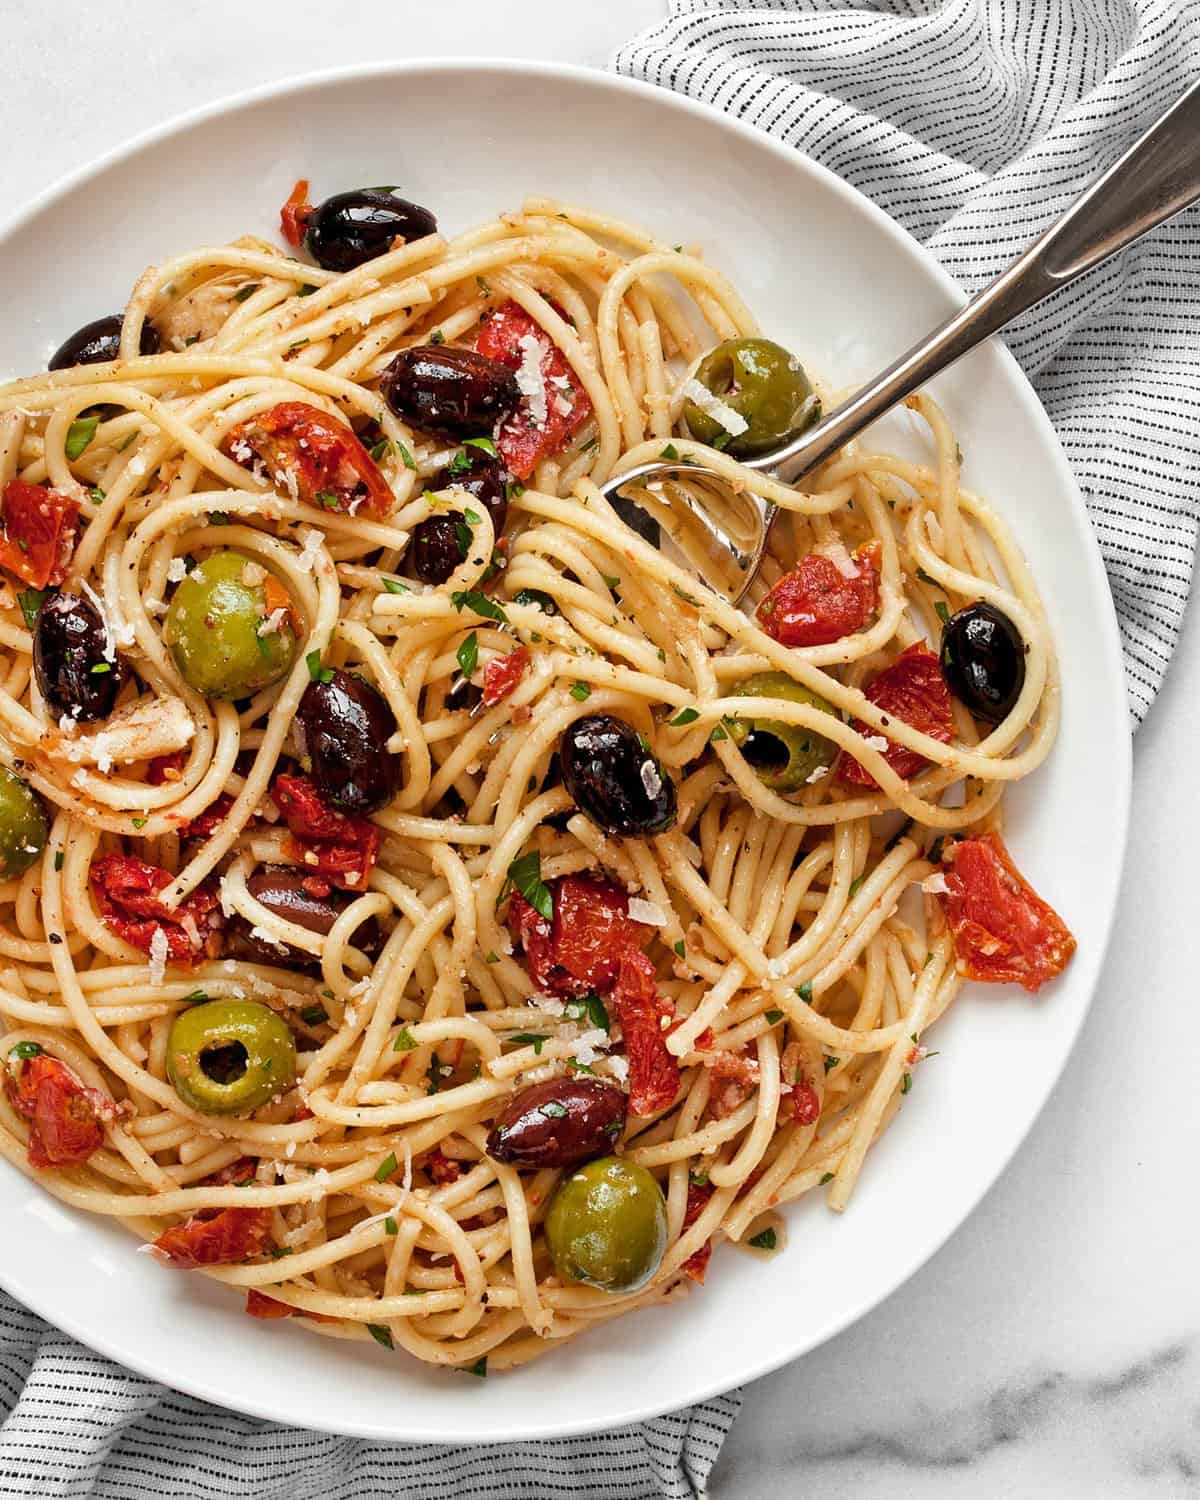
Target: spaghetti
{"points": [[792, 944]]}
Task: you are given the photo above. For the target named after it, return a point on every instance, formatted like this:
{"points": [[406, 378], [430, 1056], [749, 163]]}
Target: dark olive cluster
{"points": [[349, 229]]}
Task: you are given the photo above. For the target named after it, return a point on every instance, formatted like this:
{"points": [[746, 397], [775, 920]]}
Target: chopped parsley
{"points": [[526, 874], [591, 1006], [514, 489], [405, 1041], [670, 451], [80, 434], [530, 1039], [491, 957], [394, 586], [58, 859], [828, 1177], [553, 1110], [580, 691], [479, 1368], [139, 822], [471, 599], [925, 578], [943, 612], [380, 1334], [537, 596], [805, 991], [243, 292], [390, 1226], [680, 950], [462, 535], [831, 1063], [767, 1240], [684, 716], [437, 337], [588, 446], [314, 1015], [774, 1017], [99, 668], [316, 671], [906, 1083], [855, 886], [484, 444], [30, 601], [26, 1049], [468, 655], [386, 1167], [577, 1067]]}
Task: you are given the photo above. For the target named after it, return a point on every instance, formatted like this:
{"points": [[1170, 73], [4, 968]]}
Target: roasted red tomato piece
{"points": [[66, 1118], [314, 456], [164, 768], [325, 841], [214, 1237], [914, 690], [554, 404], [259, 1305], [819, 602], [207, 822], [1002, 929], [37, 533], [581, 949], [126, 892], [294, 215], [236, 1173], [502, 674], [697, 1263], [644, 1015], [441, 1168]]}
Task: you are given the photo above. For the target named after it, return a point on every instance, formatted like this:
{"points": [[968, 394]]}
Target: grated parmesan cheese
{"points": [[159, 951], [877, 742], [647, 913], [818, 774], [529, 377], [176, 570], [619, 1067], [836, 552], [253, 574], [935, 884], [651, 780], [273, 623], [712, 406]]}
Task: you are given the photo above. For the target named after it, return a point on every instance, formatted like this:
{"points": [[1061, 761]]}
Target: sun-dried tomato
{"points": [[530, 435], [66, 1118], [644, 1015], [37, 533], [259, 1305], [304, 447], [208, 821], [816, 603], [126, 893], [581, 949], [164, 768], [325, 841], [502, 674], [214, 1237], [236, 1173], [294, 215], [911, 689], [698, 1195], [440, 1168], [1002, 929], [733, 1077], [804, 1099]]}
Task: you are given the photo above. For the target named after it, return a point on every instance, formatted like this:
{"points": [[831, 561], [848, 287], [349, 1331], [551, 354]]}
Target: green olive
{"points": [[784, 756], [767, 388], [22, 826], [227, 1057], [607, 1225], [214, 628]]}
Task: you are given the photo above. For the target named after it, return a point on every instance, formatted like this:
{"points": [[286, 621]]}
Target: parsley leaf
{"points": [[943, 612], [530, 1039], [805, 991], [484, 444], [26, 1049], [669, 452], [479, 1368], [774, 1017], [394, 586], [314, 1015], [468, 655], [30, 601], [684, 716], [680, 949], [381, 1334], [536, 596], [526, 874], [386, 1167], [906, 1083], [767, 1240], [316, 671], [471, 599], [80, 434], [580, 691], [243, 292], [405, 1041]]}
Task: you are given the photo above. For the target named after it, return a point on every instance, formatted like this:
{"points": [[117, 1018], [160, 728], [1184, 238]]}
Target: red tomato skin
{"points": [[581, 949], [321, 455], [653, 1072], [164, 768], [698, 1195], [66, 1118], [814, 605], [293, 216], [523, 447], [1003, 931], [323, 840], [214, 1237], [38, 533], [441, 1168], [502, 674], [259, 1305], [126, 893], [913, 690], [209, 820]]}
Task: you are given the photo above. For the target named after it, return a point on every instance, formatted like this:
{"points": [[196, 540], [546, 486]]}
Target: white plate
{"points": [[833, 278]]}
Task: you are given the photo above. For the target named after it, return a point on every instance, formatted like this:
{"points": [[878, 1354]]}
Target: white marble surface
{"points": [[1051, 1348]]}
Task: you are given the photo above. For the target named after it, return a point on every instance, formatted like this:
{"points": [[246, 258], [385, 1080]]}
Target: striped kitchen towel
{"points": [[974, 123]]}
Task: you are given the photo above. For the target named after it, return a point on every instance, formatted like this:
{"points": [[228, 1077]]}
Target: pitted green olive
{"points": [[783, 755], [607, 1225], [765, 385], [22, 826], [225, 629], [227, 1057]]}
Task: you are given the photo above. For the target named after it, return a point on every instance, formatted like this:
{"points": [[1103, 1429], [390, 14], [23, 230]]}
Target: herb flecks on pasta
{"points": [[426, 905]]}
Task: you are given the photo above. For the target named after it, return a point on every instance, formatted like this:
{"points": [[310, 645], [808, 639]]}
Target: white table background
{"points": [[1050, 1348]]}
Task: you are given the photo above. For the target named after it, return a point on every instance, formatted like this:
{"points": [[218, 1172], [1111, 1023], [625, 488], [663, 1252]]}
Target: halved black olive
{"points": [[482, 475], [436, 548], [346, 725], [288, 894], [100, 341], [983, 661], [455, 393], [351, 228], [614, 779], [73, 674]]}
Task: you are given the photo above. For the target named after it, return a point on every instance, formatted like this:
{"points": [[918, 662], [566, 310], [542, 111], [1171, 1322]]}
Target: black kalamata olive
{"points": [[437, 545], [558, 1123], [346, 725], [455, 393], [463, 695], [481, 474], [351, 228], [97, 343], [73, 674], [613, 779], [983, 661], [290, 895], [637, 519]]}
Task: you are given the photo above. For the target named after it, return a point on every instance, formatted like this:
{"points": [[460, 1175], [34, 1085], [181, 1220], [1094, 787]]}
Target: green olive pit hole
{"points": [[225, 1062]]}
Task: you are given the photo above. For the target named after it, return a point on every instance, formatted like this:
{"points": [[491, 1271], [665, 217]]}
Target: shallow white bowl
{"points": [[834, 279]]}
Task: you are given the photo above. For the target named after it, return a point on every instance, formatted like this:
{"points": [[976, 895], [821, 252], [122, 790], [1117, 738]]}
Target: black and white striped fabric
{"points": [[975, 123], [972, 122]]}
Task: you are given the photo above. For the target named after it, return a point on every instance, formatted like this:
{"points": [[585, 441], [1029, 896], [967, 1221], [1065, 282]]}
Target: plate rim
{"points": [[1118, 811]]}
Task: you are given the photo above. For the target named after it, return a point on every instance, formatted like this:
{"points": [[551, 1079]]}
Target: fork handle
{"points": [[1155, 179]]}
